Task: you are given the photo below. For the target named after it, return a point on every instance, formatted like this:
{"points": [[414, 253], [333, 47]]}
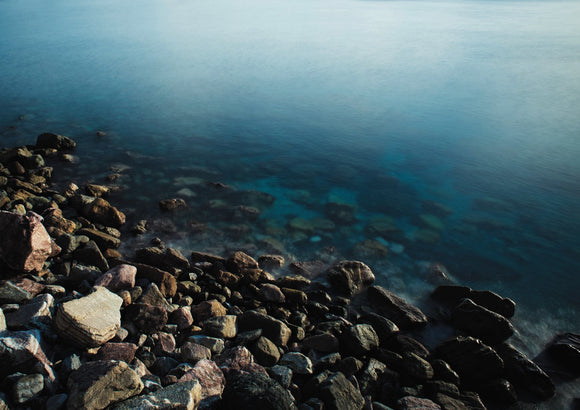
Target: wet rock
{"points": [[91, 320], [360, 339], [193, 352], [395, 308], [271, 293], [149, 319], [256, 391], [35, 314], [172, 204], [27, 387], [101, 211], [21, 351], [297, 362], [271, 261], [24, 244], [416, 403], [481, 322], [293, 282], [265, 352], [524, 373], [272, 328], [565, 350], [10, 293], [118, 278], [167, 259], [102, 239], [224, 327], [340, 213], [55, 141], [349, 277], [98, 384], [208, 309], [197, 257], [239, 262], [338, 393], [470, 358], [91, 255], [181, 395], [209, 376], [117, 351]]}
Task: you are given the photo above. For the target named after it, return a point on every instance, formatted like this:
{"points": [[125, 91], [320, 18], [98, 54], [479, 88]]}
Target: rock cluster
{"points": [[81, 326]]}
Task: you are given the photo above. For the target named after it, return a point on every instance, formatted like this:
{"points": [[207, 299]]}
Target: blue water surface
{"points": [[466, 111]]}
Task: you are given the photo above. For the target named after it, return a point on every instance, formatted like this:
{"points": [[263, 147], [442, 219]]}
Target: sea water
{"points": [[453, 126]]}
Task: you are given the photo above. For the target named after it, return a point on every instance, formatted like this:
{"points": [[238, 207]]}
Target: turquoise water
{"points": [[383, 105]]}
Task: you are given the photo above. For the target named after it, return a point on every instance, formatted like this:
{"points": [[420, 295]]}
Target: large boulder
{"points": [[96, 385], [349, 277], [396, 308], [480, 322], [91, 320], [249, 391], [24, 243]]}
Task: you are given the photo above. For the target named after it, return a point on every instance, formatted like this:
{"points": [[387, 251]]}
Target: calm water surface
{"points": [[387, 106]]}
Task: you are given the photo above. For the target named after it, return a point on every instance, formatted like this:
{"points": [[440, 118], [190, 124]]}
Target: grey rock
{"points": [[193, 352], [297, 362], [224, 327], [416, 367], [21, 351], [27, 387], [10, 293], [35, 314], [214, 344], [178, 396], [282, 374], [416, 403], [91, 255]]}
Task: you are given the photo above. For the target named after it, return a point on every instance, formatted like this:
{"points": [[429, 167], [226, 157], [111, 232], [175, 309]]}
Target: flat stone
{"points": [[91, 320], [104, 240], [178, 396], [168, 259]]}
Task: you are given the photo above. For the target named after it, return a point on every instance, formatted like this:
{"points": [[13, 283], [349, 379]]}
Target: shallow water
{"points": [[387, 106]]}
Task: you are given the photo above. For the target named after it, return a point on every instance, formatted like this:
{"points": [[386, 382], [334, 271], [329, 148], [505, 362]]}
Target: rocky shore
{"points": [[83, 326]]}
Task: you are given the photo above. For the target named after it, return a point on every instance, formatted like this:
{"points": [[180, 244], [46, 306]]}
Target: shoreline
{"points": [[305, 337]]}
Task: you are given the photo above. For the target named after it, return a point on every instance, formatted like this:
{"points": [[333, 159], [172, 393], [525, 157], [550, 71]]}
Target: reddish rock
{"points": [[271, 293], [25, 244], [32, 287], [165, 343], [117, 351], [118, 278], [182, 317], [209, 375], [239, 262], [101, 211], [207, 309], [238, 360], [193, 352]]}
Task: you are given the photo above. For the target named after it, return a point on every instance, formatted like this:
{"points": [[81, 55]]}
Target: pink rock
{"points": [[239, 359], [118, 278], [165, 343], [182, 317], [22, 352], [24, 244], [210, 377], [117, 351]]}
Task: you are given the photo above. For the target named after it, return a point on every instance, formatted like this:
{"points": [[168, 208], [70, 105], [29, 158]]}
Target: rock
{"points": [[272, 328], [349, 277], [470, 358], [444, 372], [224, 327], [281, 374], [208, 309], [166, 281], [91, 255], [480, 322], [297, 362], [117, 351], [498, 391], [91, 320], [294, 296], [395, 308], [565, 350], [271, 261], [293, 282], [308, 269], [193, 352], [340, 213], [184, 395], [172, 204], [384, 328], [34, 314], [360, 339], [214, 344], [239, 262], [265, 352], [118, 278], [56, 402], [207, 257], [22, 352], [256, 391], [369, 375], [102, 239], [69, 243], [271, 293], [2, 321], [101, 211], [164, 343], [27, 387], [415, 403], [58, 142], [149, 319], [338, 393], [452, 295], [182, 318], [24, 244], [416, 367], [154, 297], [10, 293], [209, 376], [167, 259], [98, 384], [322, 342]]}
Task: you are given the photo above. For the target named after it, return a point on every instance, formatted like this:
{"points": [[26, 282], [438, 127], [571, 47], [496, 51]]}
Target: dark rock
{"points": [[404, 343], [239, 262], [101, 211], [182, 317], [481, 322], [256, 391], [10, 293], [294, 296], [565, 350], [349, 277], [193, 352], [322, 342], [384, 327], [224, 327], [172, 204], [24, 244], [181, 395], [207, 257], [415, 403], [96, 385], [265, 352], [369, 375], [470, 358], [21, 351], [395, 308], [271, 261], [308, 269], [56, 402], [272, 328], [104, 240], [281, 374], [360, 339], [293, 282], [349, 366], [450, 402], [498, 391], [338, 393], [58, 142], [34, 314], [271, 293], [340, 213], [444, 372], [451, 295], [297, 362], [91, 255], [117, 351], [147, 318], [524, 373], [416, 367], [167, 259], [167, 282]]}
